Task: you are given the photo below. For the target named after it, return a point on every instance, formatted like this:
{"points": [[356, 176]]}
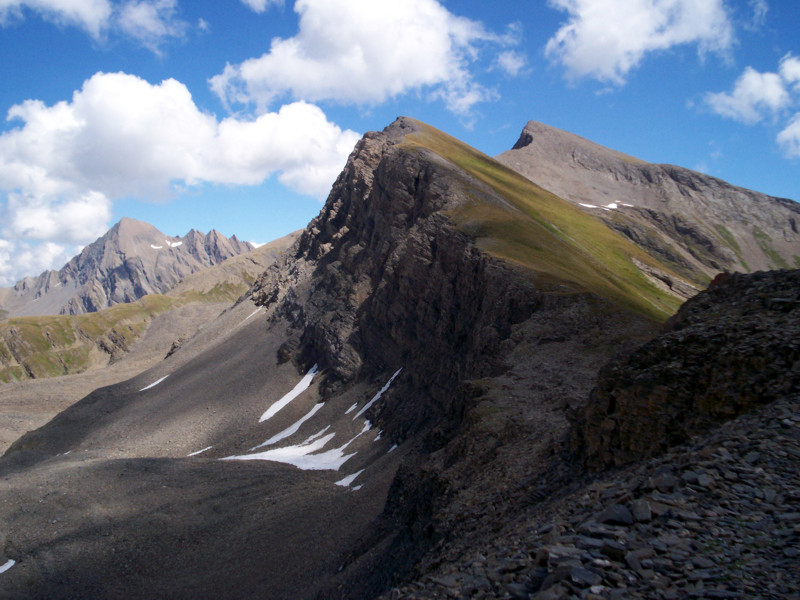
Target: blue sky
{"points": [[238, 114]]}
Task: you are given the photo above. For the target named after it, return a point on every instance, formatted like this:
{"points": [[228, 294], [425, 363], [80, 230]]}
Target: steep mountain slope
{"points": [[397, 395], [697, 224], [426, 312], [703, 508], [131, 260], [48, 346], [728, 350]]}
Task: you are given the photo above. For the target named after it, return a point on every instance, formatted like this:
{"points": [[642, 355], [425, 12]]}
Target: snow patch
{"points": [[320, 433], [588, 205], [252, 314], [200, 451], [7, 566], [301, 455], [356, 488], [304, 384], [352, 408], [173, 244], [378, 395], [628, 205], [154, 247], [612, 205], [291, 429], [349, 479], [391, 449], [154, 384]]}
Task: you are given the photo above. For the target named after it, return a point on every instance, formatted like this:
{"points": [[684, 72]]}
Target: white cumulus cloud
{"points": [[150, 22], [260, 6], [755, 95], [771, 96], [364, 52], [606, 39], [119, 136], [789, 137], [511, 62], [92, 15]]}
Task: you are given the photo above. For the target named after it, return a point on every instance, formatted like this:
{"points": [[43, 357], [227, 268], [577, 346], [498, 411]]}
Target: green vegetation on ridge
{"points": [[49, 346], [547, 234]]}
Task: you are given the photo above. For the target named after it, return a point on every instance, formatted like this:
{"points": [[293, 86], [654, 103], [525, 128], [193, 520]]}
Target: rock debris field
{"points": [[717, 518]]}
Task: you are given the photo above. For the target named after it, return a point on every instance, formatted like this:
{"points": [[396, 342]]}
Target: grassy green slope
{"points": [[546, 234]]}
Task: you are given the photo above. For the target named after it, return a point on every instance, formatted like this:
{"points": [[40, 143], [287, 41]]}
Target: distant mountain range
{"points": [[131, 260]]}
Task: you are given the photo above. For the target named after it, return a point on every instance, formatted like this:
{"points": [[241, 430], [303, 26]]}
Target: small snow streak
{"points": [[7, 566], [255, 312], [291, 429], [320, 433], [349, 479], [378, 395], [352, 408], [154, 247], [154, 384], [200, 451], [302, 386]]}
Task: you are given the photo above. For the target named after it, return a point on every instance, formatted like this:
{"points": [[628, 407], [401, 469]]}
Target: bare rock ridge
{"points": [[699, 225], [131, 260], [731, 348]]}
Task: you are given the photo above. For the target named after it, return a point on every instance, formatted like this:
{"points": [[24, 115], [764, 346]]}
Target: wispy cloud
{"points": [[150, 22]]}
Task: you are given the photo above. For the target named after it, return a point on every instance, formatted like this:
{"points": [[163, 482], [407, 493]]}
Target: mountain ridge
{"points": [[131, 260], [698, 224]]}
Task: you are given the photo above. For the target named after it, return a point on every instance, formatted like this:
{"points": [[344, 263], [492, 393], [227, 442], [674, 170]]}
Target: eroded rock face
{"points": [[732, 347]]}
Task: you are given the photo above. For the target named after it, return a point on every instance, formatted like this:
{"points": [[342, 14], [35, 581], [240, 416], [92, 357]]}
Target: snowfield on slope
{"points": [[301, 387]]}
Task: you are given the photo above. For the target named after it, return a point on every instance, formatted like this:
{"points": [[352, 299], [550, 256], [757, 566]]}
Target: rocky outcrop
{"points": [[699, 225], [729, 349], [131, 260]]}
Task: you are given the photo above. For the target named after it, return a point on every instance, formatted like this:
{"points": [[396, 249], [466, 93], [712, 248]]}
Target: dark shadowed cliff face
{"points": [[393, 282], [731, 348], [698, 224]]}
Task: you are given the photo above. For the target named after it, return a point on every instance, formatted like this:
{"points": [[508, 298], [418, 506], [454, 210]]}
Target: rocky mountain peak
{"points": [[130, 260], [697, 224]]}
